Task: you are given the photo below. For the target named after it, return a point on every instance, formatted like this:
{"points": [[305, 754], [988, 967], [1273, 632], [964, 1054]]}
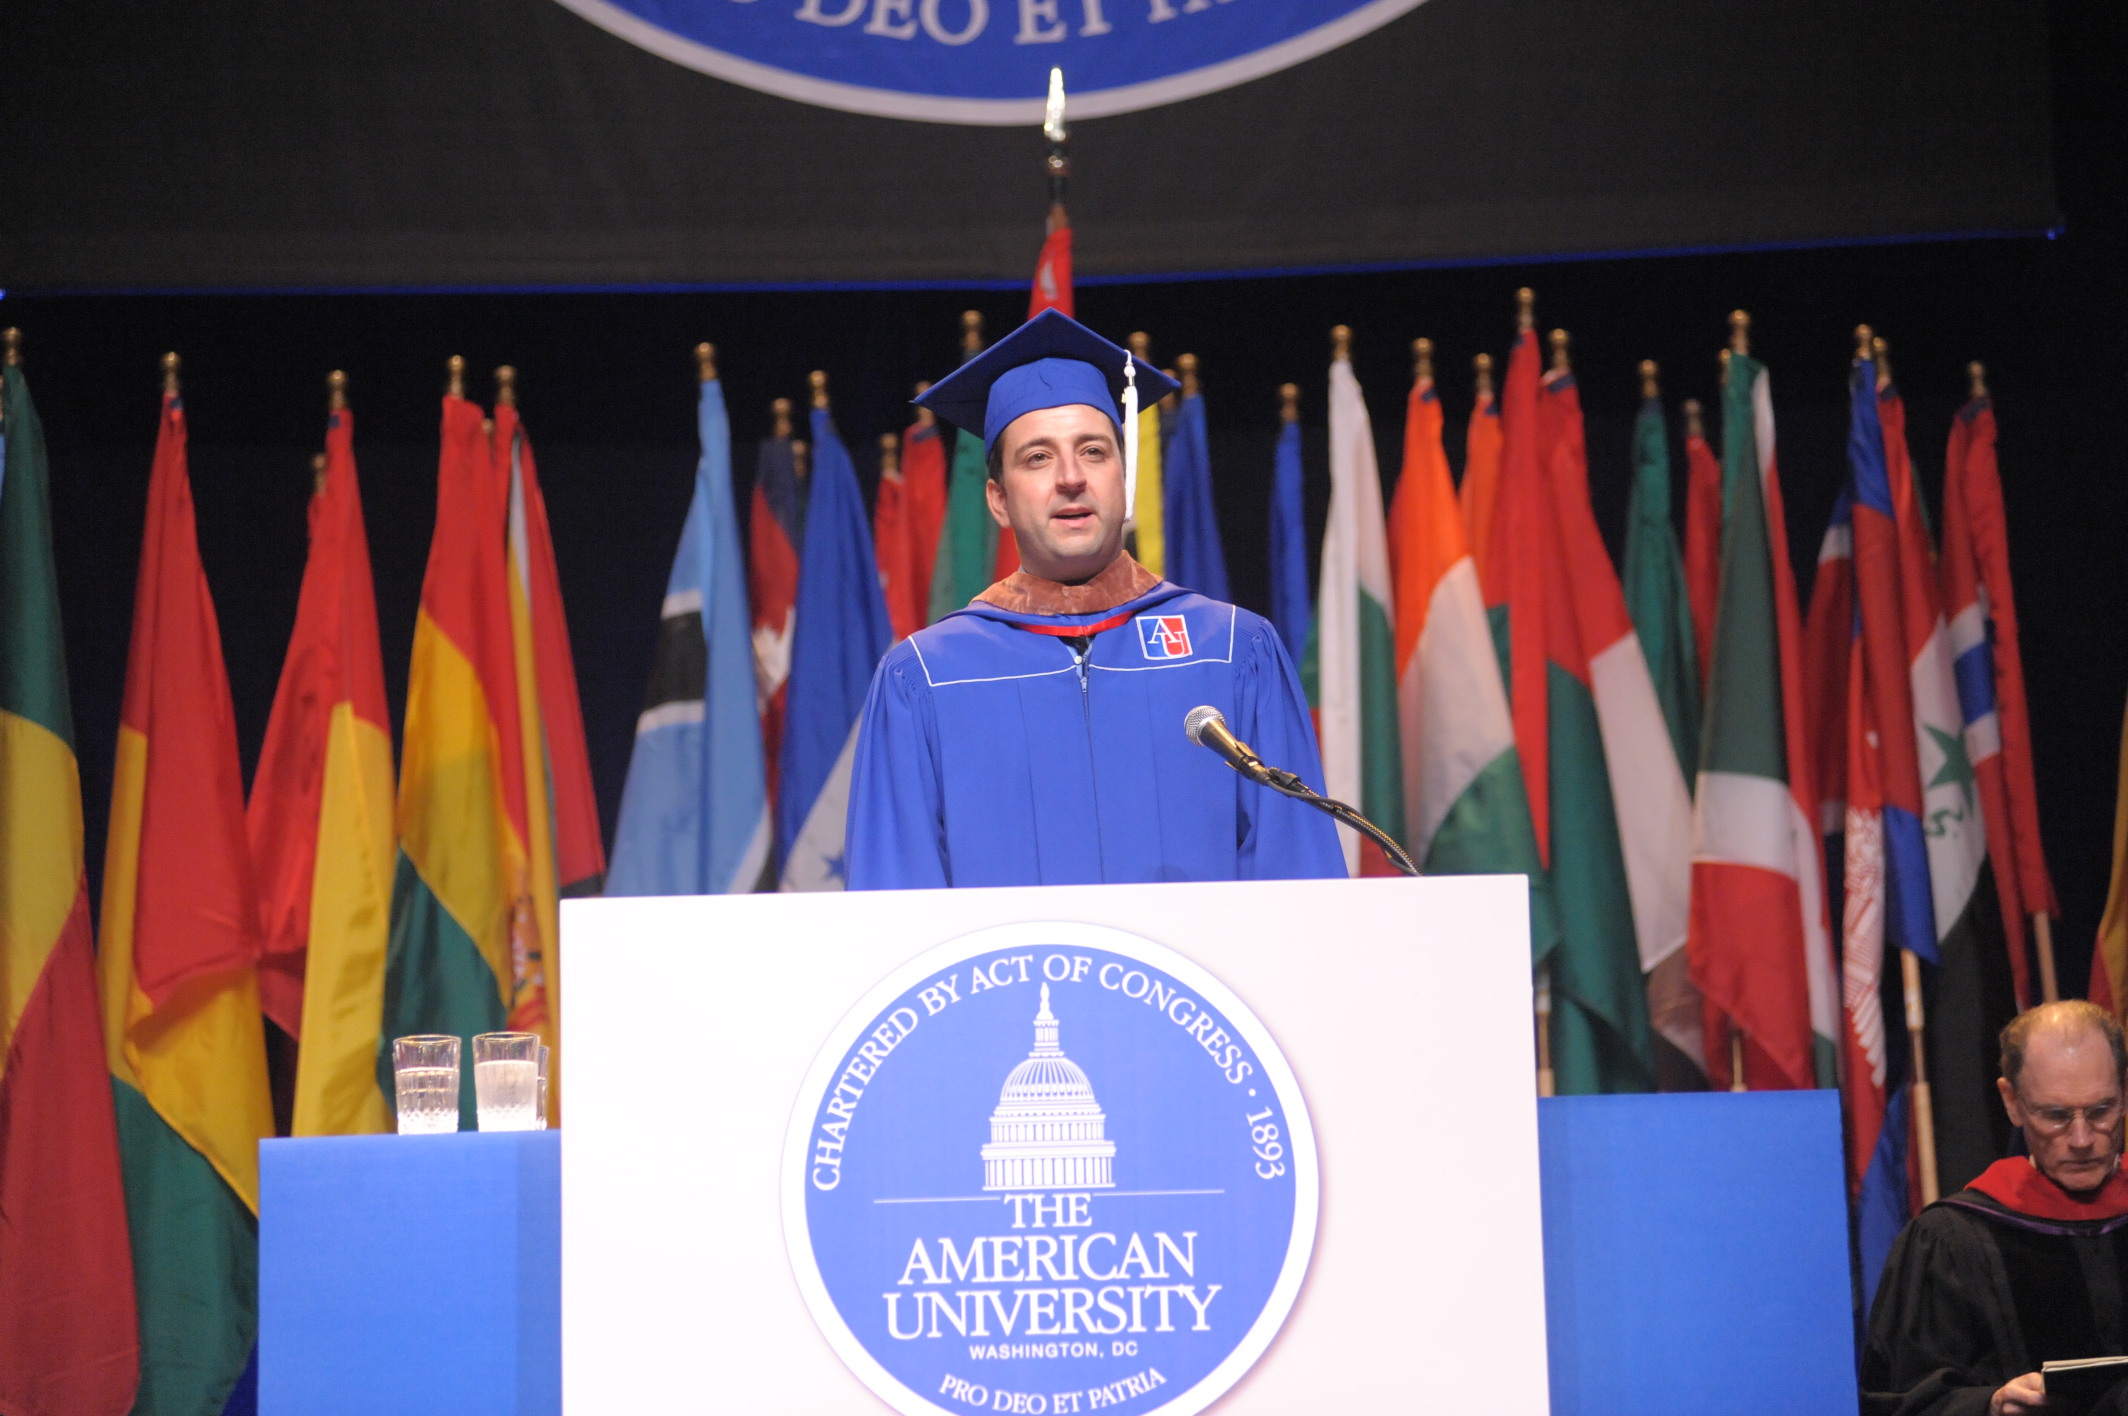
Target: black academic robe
{"points": [[1978, 1291]]}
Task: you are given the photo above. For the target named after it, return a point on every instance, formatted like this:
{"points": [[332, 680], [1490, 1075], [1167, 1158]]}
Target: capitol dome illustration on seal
{"points": [[1048, 1131]]}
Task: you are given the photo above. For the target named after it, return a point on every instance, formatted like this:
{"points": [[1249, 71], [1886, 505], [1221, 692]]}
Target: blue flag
{"points": [[694, 812], [1290, 607], [842, 630], [1194, 558], [1881, 1208]]}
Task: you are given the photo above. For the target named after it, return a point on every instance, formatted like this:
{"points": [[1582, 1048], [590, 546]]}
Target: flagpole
{"points": [[1059, 160], [1739, 344], [779, 411]]}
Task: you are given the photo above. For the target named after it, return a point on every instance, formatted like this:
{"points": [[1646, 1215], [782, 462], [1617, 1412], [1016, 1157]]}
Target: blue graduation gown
{"points": [[991, 754]]}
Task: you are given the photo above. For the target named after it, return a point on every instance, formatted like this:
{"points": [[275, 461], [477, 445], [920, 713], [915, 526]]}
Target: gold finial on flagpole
{"points": [[1141, 345], [818, 382], [336, 391], [487, 429], [505, 386], [889, 455], [1561, 364], [317, 474], [1649, 388], [1694, 426], [1341, 344], [925, 418], [170, 366], [1187, 363], [971, 331], [1482, 367], [12, 338], [1882, 352], [1976, 380], [706, 361], [780, 411], [454, 368], [1723, 359], [1525, 308], [1167, 400], [1740, 331], [1864, 342], [1422, 360], [801, 462], [1289, 403]]}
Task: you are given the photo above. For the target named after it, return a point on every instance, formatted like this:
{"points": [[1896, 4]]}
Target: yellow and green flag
{"points": [[183, 1034], [69, 1342]]}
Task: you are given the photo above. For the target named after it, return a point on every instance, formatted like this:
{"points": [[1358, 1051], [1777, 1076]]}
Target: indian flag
{"points": [[69, 1340], [460, 895], [320, 819], [1350, 665], [1463, 794], [183, 1035]]}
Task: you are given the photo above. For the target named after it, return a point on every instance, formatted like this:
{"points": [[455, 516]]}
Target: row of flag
{"points": [[136, 1087]]}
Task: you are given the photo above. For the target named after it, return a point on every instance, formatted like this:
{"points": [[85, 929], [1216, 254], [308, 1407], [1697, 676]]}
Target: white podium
{"points": [[1135, 1148]]}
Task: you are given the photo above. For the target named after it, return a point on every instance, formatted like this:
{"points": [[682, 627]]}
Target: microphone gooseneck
{"points": [[1207, 727]]}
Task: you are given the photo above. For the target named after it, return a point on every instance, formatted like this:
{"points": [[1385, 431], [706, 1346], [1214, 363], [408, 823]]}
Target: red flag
{"points": [[772, 585], [1052, 274], [1513, 576], [1703, 544], [1481, 470], [1975, 530], [892, 546]]}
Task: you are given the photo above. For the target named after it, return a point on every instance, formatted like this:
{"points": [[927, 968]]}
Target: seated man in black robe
{"points": [[2028, 1264]]}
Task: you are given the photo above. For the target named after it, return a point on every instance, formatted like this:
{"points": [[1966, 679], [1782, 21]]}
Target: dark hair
{"points": [[2068, 1014]]}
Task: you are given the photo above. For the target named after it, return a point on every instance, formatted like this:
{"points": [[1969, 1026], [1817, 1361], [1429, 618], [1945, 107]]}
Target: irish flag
{"points": [[69, 1342], [1351, 664], [182, 1030], [320, 819], [1463, 799], [1761, 945], [459, 892]]}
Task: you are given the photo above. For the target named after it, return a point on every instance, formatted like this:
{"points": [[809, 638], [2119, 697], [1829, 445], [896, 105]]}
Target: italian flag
{"points": [[320, 819], [183, 1035], [1350, 663], [460, 889], [69, 1338], [1761, 946], [565, 855], [1463, 797]]}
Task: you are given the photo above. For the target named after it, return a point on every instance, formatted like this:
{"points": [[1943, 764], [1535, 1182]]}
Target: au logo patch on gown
{"points": [[1050, 1168], [1164, 636]]}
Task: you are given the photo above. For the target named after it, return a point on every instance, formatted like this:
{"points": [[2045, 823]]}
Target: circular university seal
{"points": [[1050, 1169]]}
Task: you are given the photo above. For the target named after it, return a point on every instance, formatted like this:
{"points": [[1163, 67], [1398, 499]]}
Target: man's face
{"points": [[1061, 491], [2068, 1076]]}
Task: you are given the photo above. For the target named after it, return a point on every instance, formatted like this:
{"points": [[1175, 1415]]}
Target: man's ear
{"points": [[994, 493], [2009, 1101]]}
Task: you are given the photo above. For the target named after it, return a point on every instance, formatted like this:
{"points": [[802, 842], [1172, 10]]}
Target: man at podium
{"points": [[1036, 737]]}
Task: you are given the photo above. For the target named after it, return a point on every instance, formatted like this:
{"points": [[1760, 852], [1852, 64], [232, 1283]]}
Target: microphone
{"points": [[1207, 727]]}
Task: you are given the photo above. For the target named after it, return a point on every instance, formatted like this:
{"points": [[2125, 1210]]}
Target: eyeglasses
{"points": [[2053, 1120]]}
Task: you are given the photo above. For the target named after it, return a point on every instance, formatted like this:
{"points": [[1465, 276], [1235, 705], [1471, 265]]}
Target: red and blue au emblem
{"points": [[1164, 636]]}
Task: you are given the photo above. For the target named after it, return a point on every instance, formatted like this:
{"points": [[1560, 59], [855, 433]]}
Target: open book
{"points": [[2080, 1385]]}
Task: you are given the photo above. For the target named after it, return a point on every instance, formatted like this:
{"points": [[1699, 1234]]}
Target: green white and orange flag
{"points": [[461, 907], [1349, 666], [69, 1340], [184, 1038], [566, 856], [1463, 798], [320, 819], [1761, 937]]}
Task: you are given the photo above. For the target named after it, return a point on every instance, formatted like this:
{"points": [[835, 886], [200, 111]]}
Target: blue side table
{"points": [[402, 1273]]}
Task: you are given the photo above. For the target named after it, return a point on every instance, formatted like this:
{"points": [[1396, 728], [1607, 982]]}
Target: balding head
{"points": [[2064, 1067]]}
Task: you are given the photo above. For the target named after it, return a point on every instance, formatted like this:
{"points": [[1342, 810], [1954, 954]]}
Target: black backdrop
{"points": [[607, 391], [258, 144]]}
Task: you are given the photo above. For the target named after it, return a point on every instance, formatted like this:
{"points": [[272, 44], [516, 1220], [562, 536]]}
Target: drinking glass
{"points": [[425, 1077], [506, 1080]]}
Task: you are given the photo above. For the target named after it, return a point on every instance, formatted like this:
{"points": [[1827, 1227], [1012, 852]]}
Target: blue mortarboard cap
{"points": [[1052, 361]]}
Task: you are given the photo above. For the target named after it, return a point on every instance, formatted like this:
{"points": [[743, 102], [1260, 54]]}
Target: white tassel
{"points": [[1130, 443]]}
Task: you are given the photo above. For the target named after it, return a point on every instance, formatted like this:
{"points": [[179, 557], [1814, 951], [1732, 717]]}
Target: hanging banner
{"points": [[988, 61]]}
